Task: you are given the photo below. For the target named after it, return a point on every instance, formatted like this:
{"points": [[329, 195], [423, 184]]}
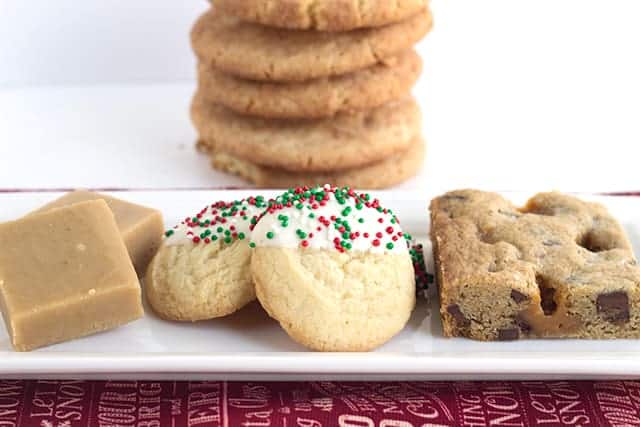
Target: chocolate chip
{"points": [[547, 301], [456, 313], [518, 296], [524, 326], [547, 295], [614, 306], [509, 334]]}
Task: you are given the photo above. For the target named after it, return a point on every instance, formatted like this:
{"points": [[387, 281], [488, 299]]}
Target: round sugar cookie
{"points": [[323, 15], [324, 97], [333, 268], [261, 53], [339, 143], [202, 268], [392, 171]]}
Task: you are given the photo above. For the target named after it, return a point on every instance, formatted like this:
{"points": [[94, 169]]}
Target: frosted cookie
{"points": [[323, 15], [343, 142], [333, 267], [324, 97], [202, 268], [389, 172], [261, 53]]}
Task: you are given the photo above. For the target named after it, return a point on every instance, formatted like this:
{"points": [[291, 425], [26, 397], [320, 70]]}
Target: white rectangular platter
{"points": [[249, 345]]}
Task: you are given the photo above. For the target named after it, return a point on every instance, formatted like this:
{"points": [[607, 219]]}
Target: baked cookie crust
{"points": [[340, 143], [365, 89], [323, 15], [558, 267], [392, 171], [261, 53]]}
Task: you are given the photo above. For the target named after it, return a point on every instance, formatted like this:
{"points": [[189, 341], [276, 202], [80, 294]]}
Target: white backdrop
{"points": [[516, 95]]}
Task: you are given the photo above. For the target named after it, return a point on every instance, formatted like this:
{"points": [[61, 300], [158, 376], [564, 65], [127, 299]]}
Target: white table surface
{"points": [[516, 96]]}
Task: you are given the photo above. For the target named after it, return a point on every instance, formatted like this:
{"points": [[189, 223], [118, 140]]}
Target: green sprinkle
{"points": [[254, 220], [389, 245], [348, 246], [214, 238], [312, 215], [346, 211], [219, 229], [270, 235], [361, 220], [203, 235], [169, 233], [346, 235], [227, 240], [241, 236], [359, 206], [252, 245], [393, 221], [299, 206], [227, 233]]}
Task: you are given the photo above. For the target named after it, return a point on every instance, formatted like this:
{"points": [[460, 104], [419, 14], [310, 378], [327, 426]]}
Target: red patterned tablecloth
{"points": [[48, 403]]}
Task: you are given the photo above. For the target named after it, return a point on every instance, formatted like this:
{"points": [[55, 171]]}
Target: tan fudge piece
{"points": [[65, 274], [141, 227], [559, 267]]}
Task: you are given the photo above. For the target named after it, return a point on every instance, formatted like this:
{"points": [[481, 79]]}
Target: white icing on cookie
{"points": [[223, 222], [329, 218]]}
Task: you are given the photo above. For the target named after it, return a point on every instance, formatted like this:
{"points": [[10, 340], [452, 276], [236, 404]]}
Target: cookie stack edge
{"points": [[285, 107]]}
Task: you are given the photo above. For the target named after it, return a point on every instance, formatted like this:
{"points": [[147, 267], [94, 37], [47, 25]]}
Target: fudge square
{"points": [[65, 274], [141, 228], [558, 267]]}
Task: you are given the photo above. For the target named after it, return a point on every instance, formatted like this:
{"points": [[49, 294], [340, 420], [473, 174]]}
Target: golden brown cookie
{"points": [[557, 267], [392, 171], [202, 268], [324, 97], [342, 142], [323, 15], [261, 53], [333, 290]]}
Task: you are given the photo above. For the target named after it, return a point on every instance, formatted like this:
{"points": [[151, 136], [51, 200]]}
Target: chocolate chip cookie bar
{"points": [[558, 267]]}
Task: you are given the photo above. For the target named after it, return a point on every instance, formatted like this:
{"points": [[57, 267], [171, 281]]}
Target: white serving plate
{"points": [[250, 345]]}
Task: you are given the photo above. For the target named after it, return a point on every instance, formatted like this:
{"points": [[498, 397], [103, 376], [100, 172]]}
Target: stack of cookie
{"points": [[295, 92]]}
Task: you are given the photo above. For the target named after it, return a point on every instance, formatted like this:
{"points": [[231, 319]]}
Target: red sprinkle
{"points": [[379, 235], [380, 220], [196, 239], [389, 230], [376, 242], [305, 243]]}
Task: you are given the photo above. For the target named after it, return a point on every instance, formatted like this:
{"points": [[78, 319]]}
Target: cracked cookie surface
{"points": [[340, 143], [333, 267], [558, 267], [391, 171], [261, 53], [324, 97], [323, 15]]}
